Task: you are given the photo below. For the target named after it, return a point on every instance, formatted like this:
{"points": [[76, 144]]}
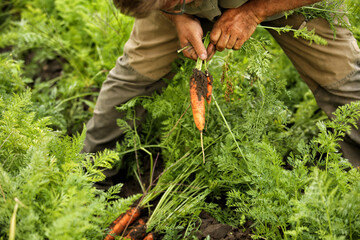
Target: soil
{"points": [[51, 69], [211, 227], [5, 49], [131, 184], [200, 82]]}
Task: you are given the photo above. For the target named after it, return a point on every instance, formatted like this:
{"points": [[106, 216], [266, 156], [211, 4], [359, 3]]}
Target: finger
{"points": [[199, 48], [215, 35], [221, 44], [190, 53], [210, 51], [231, 43], [238, 44], [210, 48]]}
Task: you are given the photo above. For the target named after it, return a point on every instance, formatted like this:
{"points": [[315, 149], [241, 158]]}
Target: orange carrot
{"points": [[150, 236], [197, 97], [198, 91], [122, 222], [137, 231], [210, 80]]}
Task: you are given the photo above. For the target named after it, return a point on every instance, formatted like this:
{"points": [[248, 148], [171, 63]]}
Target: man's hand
{"points": [[234, 27], [190, 34]]}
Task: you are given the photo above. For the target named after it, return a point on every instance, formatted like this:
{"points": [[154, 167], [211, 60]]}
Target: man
{"points": [[332, 72]]}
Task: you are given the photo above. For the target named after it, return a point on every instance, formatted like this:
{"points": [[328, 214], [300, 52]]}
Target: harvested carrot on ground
{"points": [[137, 231], [122, 222], [150, 236]]}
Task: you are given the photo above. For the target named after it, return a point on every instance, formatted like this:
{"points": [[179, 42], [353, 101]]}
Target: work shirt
{"points": [[211, 9]]}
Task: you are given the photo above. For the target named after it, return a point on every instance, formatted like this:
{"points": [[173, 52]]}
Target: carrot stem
{"points": [[207, 114], [13, 223], [207, 39], [182, 115], [228, 127], [186, 47], [202, 146], [199, 63]]}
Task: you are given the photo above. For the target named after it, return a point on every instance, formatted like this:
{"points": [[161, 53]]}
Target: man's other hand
{"points": [[234, 27]]}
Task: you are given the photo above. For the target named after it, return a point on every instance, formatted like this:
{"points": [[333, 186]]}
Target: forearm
{"points": [[266, 8]]}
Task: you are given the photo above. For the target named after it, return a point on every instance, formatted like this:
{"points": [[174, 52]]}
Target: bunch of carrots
{"points": [[201, 84], [129, 220]]}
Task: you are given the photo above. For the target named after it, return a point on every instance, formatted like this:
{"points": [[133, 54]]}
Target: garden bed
{"points": [[273, 168]]}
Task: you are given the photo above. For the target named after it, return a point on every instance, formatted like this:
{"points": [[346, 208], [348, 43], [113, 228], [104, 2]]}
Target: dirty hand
{"points": [[190, 33], [234, 27]]}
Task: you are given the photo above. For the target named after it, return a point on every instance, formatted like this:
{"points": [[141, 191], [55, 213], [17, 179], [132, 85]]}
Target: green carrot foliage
{"points": [[273, 158]]}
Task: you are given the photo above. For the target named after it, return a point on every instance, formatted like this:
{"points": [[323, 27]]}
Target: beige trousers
{"points": [[332, 72]]}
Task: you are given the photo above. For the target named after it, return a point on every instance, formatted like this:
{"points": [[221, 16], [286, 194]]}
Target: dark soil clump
{"points": [[201, 83], [218, 231]]}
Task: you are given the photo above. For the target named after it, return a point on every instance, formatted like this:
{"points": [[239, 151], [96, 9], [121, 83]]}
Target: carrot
{"points": [[122, 222], [198, 91], [197, 97], [150, 236], [210, 80], [137, 231]]}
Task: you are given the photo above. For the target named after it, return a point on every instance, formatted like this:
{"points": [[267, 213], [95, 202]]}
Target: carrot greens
{"points": [[273, 162]]}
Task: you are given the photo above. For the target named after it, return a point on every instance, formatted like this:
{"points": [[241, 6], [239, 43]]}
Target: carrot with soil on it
{"points": [[210, 80], [137, 231], [122, 222], [197, 97], [209, 83], [209, 86], [198, 91]]}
